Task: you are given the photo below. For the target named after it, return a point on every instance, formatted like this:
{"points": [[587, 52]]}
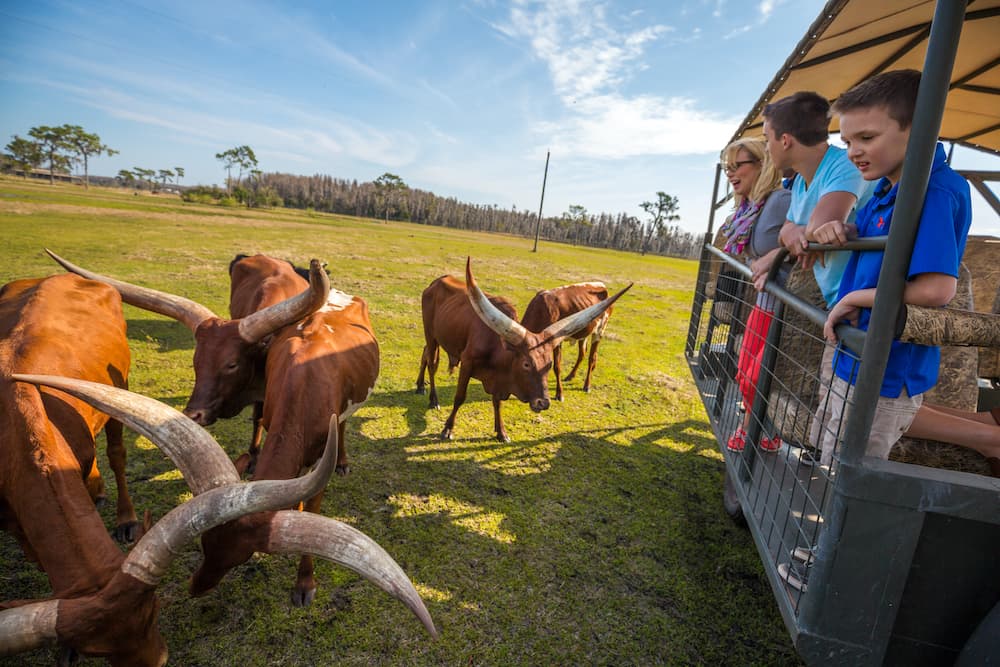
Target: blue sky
{"points": [[459, 97]]}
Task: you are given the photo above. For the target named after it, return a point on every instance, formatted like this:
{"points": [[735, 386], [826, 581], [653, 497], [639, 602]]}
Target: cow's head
{"points": [[531, 352], [228, 353]]}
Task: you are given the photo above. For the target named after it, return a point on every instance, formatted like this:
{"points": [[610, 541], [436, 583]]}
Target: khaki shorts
{"points": [[892, 417]]}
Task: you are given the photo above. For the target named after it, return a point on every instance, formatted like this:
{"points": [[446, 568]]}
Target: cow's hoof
{"points": [[559, 398], [503, 438], [343, 470], [421, 391], [586, 390], [446, 434], [303, 598], [127, 532], [434, 405], [67, 656], [100, 501]]}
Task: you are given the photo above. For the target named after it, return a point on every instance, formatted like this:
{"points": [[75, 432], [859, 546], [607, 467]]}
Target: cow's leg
{"points": [[464, 375], [420, 375], [127, 526], [557, 367], [498, 422], [343, 468], [591, 361], [579, 358], [256, 437], [95, 484], [432, 357], [305, 582]]}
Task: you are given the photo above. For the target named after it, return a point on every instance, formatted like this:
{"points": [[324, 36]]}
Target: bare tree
{"points": [[663, 210]]}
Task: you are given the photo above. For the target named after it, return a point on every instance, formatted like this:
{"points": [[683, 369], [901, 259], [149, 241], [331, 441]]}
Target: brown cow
{"points": [[549, 306], [98, 351], [104, 603], [482, 336], [333, 351]]}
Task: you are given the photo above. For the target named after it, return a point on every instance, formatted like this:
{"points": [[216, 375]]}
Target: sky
{"points": [[463, 98]]}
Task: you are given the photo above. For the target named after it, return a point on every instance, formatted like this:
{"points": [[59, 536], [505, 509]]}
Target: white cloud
{"points": [[589, 60], [612, 126]]}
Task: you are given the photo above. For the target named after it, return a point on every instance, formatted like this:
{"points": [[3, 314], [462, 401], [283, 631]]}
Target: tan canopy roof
{"points": [[852, 40]]}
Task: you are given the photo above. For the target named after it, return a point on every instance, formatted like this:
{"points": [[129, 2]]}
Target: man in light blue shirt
{"points": [[828, 187]]}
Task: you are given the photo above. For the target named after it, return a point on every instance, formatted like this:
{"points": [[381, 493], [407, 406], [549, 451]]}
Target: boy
{"points": [[875, 120]]}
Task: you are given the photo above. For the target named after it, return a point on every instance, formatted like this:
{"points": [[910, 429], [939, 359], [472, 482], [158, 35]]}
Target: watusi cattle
{"points": [[549, 306], [75, 327], [481, 335], [305, 361], [112, 610]]}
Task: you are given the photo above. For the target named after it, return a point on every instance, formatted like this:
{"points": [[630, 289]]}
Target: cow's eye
{"points": [[232, 366]]}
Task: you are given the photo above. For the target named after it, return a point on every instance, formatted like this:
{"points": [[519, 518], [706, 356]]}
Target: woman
{"points": [[752, 232]]}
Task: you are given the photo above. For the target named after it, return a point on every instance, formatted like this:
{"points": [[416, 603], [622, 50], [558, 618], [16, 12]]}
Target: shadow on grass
{"points": [[612, 534], [168, 334]]}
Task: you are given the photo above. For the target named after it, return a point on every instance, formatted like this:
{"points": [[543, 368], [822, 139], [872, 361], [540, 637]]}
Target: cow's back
{"points": [[323, 364], [259, 281], [450, 320], [550, 306], [70, 326]]}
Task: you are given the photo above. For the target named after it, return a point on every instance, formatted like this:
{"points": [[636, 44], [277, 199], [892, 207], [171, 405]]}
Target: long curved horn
{"points": [[295, 532], [188, 312], [264, 322], [151, 556], [195, 453], [569, 325], [28, 627], [508, 329]]}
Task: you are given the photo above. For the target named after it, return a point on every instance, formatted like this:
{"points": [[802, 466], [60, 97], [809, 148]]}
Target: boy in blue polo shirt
{"points": [[875, 119]]}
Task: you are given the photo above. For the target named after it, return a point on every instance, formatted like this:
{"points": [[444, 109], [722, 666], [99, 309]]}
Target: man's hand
{"points": [[834, 232]]}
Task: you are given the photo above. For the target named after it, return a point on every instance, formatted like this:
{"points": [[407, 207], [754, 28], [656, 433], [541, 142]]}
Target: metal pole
{"points": [[538, 224]]}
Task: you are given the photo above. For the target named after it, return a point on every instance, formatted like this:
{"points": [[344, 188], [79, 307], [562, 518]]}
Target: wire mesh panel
{"points": [[765, 374]]}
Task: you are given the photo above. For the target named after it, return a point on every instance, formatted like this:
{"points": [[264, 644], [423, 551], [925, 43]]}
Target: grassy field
{"points": [[597, 536]]}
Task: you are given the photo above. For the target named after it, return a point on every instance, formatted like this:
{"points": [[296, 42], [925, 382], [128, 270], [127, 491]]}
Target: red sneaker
{"points": [[771, 444], [737, 441]]}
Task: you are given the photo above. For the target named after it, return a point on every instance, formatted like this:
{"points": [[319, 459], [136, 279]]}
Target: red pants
{"points": [[751, 353]]}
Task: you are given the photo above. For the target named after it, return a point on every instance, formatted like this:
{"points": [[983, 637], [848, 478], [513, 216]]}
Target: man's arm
{"points": [[832, 207]]}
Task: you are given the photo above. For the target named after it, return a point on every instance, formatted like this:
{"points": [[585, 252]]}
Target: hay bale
{"points": [[982, 256], [792, 401], [956, 388]]}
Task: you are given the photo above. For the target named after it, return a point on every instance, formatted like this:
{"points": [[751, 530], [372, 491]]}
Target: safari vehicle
{"points": [[904, 553]]}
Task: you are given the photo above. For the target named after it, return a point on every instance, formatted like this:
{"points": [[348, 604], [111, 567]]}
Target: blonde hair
{"points": [[769, 178]]}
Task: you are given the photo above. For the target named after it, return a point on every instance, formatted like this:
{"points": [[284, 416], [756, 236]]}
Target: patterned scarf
{"points": [[737, 228]]}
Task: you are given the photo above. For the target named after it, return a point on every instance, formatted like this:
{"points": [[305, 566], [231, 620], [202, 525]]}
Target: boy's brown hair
{"points": [[804, 115], [895, 91]]}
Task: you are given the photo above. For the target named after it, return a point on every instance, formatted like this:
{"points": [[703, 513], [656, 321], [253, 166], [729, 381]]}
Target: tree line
{"points": [[389, 198]]}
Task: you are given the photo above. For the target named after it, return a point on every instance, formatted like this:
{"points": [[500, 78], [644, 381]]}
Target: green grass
{"points": [[597, 536]]}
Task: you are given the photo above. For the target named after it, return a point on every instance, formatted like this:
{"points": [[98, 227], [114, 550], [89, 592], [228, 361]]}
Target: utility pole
{"points": [[539, 223]]}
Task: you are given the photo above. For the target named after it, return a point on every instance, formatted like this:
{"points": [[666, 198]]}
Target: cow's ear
{"points": [[264, 343]]}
